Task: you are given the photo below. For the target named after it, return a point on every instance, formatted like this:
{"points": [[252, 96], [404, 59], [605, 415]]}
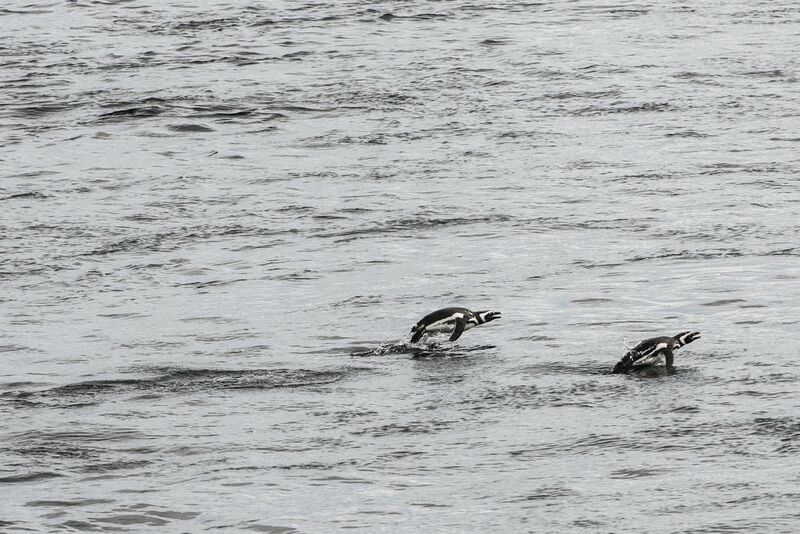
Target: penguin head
{"points": [[684, 338], [487, 316]]}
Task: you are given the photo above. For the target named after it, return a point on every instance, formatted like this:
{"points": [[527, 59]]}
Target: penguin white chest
{"points": [[447, 325]]}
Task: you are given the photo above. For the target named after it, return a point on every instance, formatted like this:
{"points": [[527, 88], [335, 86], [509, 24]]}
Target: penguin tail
{"points": [[623, 366]]}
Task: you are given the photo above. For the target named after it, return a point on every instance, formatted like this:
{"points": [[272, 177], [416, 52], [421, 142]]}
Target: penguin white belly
{"points": [[440, 326], [445, 325]]}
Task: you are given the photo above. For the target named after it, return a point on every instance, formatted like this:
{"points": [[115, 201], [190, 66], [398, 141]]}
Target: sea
{"points": [[220, 219]]}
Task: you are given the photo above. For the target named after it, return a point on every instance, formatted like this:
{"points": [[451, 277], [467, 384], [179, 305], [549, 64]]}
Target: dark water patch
{"points": [[129, 520], [687, 255], [749, 168], [24, 176], [341, 479], [726, 436], [650, 372], [722, 527], [36, 195], [787, 139], [90, 448], [793, 251], [582, 95], [700, 78], [318, 466], [266, 22], [579, 368], [303, 108], [131, 113], [297, 55], [389, 17], [535, 337], [204, 24], [687, 134], [545, 493], [635, 473], [188, 128], [723, 302], [177, 237], [220, 111], [769, 378], [118, 465], [412, 225], [210, 283], [29, 477], [592, 444], [686, 409], [496, 42], [589, 394], [773, 73], [26, 10], [210, 319], [300, 276], [17, 348], [615, 322], [427, 426], [268, 529], [18, 385], [169, 380], [786, 430], [518, 396], [648, 107], [359, 301], [68, 504], [588, 524], [129, 315], [42, 109], [596, 443]]}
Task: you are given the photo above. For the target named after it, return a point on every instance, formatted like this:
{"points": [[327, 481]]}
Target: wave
{"points": [[177, 380]]}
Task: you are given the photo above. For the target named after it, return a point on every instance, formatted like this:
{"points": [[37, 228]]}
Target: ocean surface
{"points": [[219, 220]]}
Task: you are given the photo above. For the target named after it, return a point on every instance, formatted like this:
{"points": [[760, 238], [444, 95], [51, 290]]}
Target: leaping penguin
{"points": [[456, 319], [650, 351]]}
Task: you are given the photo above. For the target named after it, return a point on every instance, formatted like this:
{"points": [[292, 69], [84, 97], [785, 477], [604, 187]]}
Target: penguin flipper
{"points": [[417, 335], [669, 357], [460, 324]]}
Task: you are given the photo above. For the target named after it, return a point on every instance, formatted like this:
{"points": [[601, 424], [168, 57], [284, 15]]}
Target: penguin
{"points": [[456, 319], [650, 351]]}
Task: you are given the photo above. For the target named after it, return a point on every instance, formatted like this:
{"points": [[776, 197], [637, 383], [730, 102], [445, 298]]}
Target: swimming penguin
{"points": [[447, 319], [650, 351]]}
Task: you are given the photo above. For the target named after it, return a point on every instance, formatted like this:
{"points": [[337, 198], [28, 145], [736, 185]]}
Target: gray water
{"points": [[218, 223]]}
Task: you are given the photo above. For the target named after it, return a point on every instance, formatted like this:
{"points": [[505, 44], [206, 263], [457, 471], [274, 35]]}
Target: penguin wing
{"points": [[669, 357], [418, 333], [460, 324], [651, 354]]}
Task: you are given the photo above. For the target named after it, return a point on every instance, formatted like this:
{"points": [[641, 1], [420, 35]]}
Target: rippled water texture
{"points": [[218, 223]]}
